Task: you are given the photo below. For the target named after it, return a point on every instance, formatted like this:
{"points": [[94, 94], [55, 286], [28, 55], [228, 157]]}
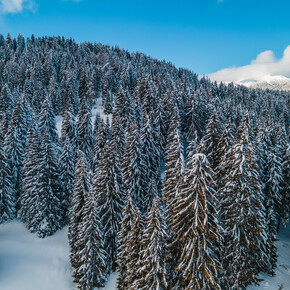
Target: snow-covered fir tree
{"points": [[133, 250], [134, 169], [13, 154], [123, 238], [151, 266], [91, 270], [81, 189], [66, 166], [49, 215], [196, 227], [109, 198], [242, 214], [69, 128], [28, 197]]}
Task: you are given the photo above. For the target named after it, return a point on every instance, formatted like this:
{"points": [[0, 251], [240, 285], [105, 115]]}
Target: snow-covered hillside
{"points": [[268, 82], [30, 263]]}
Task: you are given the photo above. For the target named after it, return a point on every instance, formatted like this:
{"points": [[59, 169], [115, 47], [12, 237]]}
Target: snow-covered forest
{"points": [[181, 183]]}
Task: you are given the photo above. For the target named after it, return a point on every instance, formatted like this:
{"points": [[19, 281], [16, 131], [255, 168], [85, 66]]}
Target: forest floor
{"points": [[282, 277], [30, 263]]}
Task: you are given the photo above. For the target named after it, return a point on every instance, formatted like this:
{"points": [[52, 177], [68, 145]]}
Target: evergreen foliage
{"points": [[242, 214], [151, 266], [196, 228], [157, 115], [110, 200], [123, 250]]}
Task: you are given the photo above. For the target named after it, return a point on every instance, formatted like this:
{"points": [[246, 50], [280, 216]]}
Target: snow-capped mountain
{"points": [[268, 82]]}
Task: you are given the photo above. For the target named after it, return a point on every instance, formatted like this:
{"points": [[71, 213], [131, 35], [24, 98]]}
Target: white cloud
{"points": [[264, 65], [15, 6]]}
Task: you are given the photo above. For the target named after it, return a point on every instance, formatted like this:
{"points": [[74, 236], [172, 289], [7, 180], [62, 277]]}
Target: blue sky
{"points": [[204, 36]]}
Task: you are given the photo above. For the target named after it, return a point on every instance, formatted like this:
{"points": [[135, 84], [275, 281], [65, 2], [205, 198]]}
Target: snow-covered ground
{"points": [[30, 263], [282, 277], [97, 109]]}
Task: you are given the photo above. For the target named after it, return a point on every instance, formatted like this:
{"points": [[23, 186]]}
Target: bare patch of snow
{"points": [[282, 277], [30, 263], [97, 109]]}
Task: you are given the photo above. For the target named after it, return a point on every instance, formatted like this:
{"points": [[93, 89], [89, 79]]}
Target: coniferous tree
{"points": [[281, 151], [28, 197], [174, 157], [48, 218], [97, 122], [286, 187], [192, 146], [151, 266], [66, 173], [274, 183], [81, 189], [69, 129], [123, 250], [242, 215], [209, 143], [133, 169], [85, 135], [151, 157], [47, 123], [6, 100], [225, 143], [110, 205], [100, 142], [13, 153], [196, 227], [91, 271], [134, 248]]}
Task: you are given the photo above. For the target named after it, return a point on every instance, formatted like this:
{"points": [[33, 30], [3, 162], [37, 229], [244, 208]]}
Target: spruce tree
{"points": [[133, 250], [134, 170], [242, 214], [196, 228], [274, 182], [101, 139], [66, 173], [123, 250], [47, 123], [150, 153], [151, 266], [13, 153], [91, 271], [69, 129], [224, 144], [282, 152], [174, 158], [210, 141], [28, 198], [85, 135], [286, 187], [110, 200], [81, 189], [49, 214]]}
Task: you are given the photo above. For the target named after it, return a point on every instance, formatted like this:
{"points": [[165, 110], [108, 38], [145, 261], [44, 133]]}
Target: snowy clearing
{"points": [[282, 277], [30, 263], [97, 109]]}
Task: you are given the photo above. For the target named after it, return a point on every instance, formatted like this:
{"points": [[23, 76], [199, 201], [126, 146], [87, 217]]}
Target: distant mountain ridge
{"points": [[268, 82]]}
